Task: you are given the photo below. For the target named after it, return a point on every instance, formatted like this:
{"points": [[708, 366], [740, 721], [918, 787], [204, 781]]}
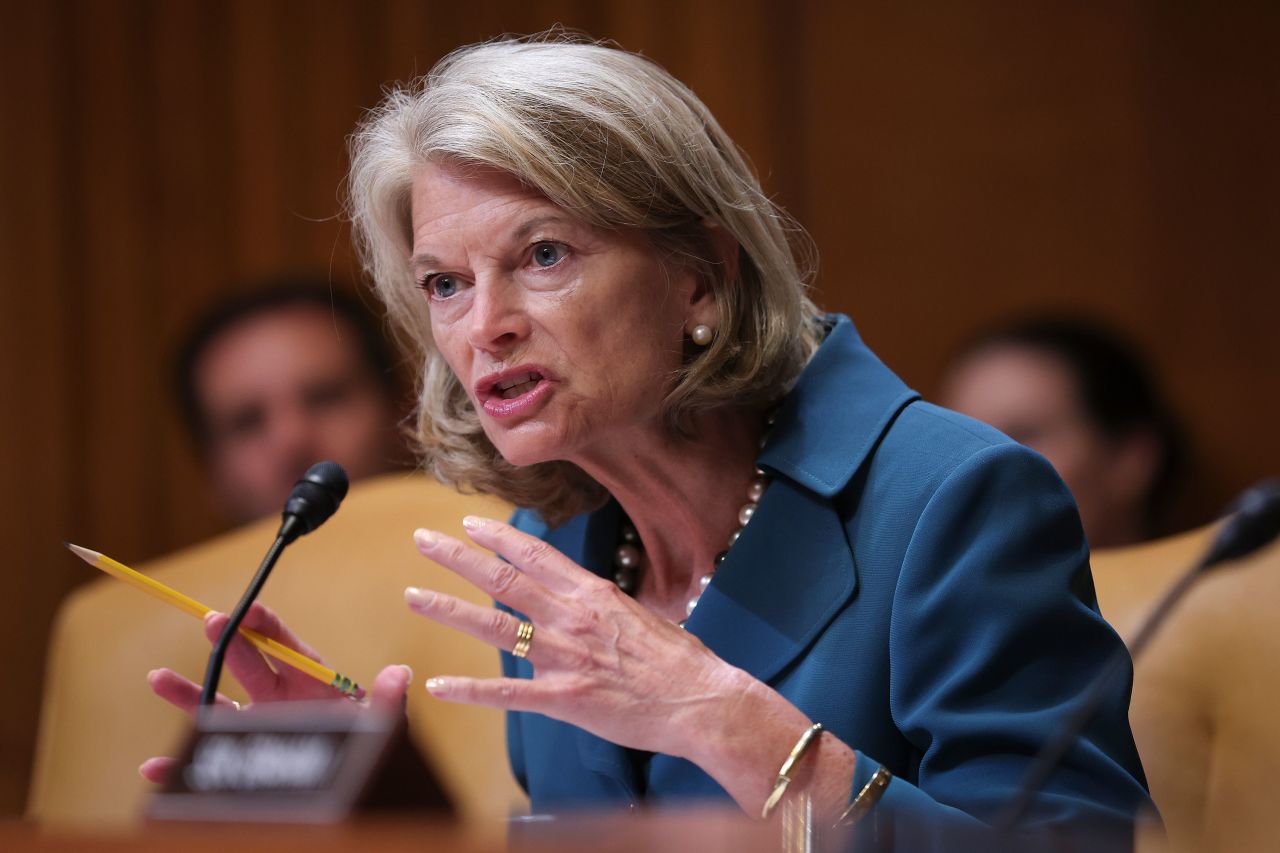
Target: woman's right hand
{"points": [[262, 680]]}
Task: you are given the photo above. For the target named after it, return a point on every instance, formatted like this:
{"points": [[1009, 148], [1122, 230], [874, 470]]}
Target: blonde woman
{"points": [[742, 538]]}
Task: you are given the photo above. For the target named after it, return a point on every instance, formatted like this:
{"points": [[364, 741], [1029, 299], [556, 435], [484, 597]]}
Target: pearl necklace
{"points": [[628, 557]]}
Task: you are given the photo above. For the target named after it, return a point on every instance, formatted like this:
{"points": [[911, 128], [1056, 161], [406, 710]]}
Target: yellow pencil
{"points": [[277, 650]]}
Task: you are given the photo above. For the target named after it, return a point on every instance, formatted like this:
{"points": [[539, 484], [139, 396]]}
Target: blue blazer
{"points": [[912, 579]]}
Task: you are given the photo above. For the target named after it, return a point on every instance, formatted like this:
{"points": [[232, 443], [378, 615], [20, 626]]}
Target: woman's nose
{"points": [[497, 318]]}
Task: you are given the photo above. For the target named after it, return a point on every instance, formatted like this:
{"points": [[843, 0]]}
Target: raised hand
{"points": [[602, 661]]}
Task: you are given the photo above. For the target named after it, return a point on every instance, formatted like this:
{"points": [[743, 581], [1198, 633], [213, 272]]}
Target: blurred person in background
{"points": [[1082, 396], [274, 380]]}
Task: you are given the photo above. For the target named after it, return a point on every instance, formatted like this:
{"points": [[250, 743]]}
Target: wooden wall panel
{"points": [[189, 56], [990, 164], [112, 277], [39, 466], [1211, 83], [956, 163]]}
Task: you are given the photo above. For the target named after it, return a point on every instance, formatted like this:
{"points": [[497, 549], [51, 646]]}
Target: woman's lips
{"points": [[514, 392]]}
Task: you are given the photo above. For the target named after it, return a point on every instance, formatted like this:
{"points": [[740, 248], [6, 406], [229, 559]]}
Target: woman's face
{"points": [[566, 336]]}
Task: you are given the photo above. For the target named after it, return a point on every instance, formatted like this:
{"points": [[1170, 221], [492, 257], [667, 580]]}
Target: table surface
{"points": [[700, 831]]}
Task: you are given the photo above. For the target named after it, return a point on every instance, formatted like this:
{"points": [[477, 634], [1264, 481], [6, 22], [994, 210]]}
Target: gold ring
{"points": [[524, 639]]}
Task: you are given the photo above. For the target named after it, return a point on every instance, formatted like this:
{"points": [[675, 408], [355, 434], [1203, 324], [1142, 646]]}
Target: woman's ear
{"points": [[722, 267]]}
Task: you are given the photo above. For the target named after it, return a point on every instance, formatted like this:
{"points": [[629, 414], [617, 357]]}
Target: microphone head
{"points": [[1254, 521], [315, 497]]}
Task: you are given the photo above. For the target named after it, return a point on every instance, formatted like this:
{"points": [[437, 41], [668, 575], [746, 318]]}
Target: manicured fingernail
{"points": [[436, 685], [424, 538], [408, 670], [472, 522], [419, 597]]}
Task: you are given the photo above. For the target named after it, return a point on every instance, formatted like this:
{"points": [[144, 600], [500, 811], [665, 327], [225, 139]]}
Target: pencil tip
{"points": [[83, 553]]}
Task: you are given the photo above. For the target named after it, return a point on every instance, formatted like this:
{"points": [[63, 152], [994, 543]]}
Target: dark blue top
{"points": [[912, 579]]}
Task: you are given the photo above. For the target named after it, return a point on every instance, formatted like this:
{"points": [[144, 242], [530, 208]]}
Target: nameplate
{"points": [[297, 762]]}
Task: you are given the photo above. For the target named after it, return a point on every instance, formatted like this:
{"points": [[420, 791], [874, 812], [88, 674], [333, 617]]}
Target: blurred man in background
{"points": [[284, 376], [1084, 399]]}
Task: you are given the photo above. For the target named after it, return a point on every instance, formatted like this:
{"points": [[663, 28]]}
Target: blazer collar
{"points": [[840, 406]]}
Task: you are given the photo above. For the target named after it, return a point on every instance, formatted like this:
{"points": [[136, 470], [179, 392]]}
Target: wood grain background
{"points": [[957, 163]]}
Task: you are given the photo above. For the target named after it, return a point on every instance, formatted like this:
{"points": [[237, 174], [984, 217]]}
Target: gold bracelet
{"points": [[784, 773], [866, 799]]}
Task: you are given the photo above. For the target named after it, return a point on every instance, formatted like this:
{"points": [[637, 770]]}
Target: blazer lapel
{"points": [[777, 590], [792, 568]]}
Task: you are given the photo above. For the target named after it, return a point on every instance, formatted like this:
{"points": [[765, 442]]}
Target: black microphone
{"points": [[314, 498], [1254, 521]]}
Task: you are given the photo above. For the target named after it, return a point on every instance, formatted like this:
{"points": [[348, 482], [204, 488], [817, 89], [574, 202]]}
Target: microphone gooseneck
{"points": [[1254, 521], [313, 500]]}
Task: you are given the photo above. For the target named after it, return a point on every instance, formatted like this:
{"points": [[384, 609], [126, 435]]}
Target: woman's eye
{"points": [[440, 286], [548, 254]]}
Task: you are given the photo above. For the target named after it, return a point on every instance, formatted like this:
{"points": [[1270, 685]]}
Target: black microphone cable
{"points": [[314, 498]]}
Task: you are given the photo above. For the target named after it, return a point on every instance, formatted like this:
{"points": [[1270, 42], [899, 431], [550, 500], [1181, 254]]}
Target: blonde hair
{"points": [[617, 141]]}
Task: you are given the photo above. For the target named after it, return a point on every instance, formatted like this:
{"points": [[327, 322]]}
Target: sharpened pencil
{"points": [[189, 605]]}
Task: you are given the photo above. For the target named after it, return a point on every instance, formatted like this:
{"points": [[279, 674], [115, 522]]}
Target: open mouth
{"points": [[518, 385], [519, 391]]}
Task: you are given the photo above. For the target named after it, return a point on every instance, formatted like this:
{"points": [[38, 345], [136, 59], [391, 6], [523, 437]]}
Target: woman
{"points": [[736, 522]]}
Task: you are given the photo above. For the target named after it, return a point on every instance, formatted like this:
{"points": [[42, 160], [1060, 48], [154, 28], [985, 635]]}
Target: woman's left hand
{"points": [[602, 661]]}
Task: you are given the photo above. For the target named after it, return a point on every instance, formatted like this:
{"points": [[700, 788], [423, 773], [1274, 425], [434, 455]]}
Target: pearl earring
{"points": [[702, 334]]}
